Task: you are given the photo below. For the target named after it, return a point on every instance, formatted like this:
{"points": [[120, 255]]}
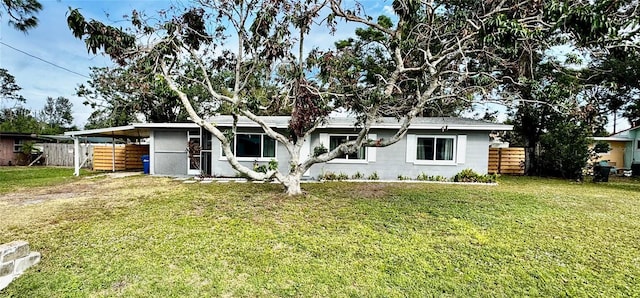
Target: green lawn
{"points": [[149, 236]]}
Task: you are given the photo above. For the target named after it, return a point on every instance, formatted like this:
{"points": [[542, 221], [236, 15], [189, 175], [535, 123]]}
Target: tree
{"points": [[121, 95], [21, 13], [19, 120], [56, 115], [457, 51], [9, 89]]}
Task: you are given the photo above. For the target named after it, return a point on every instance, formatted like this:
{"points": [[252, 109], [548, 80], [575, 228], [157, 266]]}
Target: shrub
{"points": [[374, 176], [342, 176], [425, 177], [468, 175], [357, 176], [330, 176], [401, 177]]}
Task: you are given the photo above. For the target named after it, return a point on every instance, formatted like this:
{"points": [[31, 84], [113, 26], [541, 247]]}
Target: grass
{"points": [[144, 236], [14, 178]]}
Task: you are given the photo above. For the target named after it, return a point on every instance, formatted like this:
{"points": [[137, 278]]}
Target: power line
{"points": [[45, 61]]}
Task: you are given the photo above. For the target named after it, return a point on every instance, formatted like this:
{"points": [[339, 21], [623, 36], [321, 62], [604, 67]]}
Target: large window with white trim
{"points": [[435, 148], [255, 146], [336, 140]]}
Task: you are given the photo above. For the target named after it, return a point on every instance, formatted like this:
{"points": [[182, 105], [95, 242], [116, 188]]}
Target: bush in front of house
{"points": [[468, 175]]}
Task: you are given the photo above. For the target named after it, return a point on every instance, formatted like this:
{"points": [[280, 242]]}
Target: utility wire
{"points": [[45, 61]]}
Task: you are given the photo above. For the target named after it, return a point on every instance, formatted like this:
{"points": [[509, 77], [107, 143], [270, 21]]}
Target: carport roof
{"points": [[134, 131]]}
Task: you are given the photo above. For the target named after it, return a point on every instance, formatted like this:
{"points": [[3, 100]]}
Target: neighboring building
{"points": [[434, 146], [11, 145], [625, 148]]}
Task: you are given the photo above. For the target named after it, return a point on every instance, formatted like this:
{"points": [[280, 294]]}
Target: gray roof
{"points": [[142, 130], [451, 123]]}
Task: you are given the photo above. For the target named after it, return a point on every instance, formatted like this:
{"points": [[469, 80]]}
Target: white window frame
{"points": [[369, 155], [18, 144], [261, 158], [459, 148]]}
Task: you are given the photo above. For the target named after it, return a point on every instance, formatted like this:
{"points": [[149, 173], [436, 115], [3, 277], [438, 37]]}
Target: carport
{"points": [[130, 132]]}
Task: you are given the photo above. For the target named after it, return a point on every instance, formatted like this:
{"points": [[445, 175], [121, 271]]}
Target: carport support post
{"points": [[76, 156], [113, 154]]}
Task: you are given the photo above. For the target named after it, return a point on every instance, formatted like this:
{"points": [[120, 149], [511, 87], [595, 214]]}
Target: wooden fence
{"points": [[127, 157], [506, 161], [61, 154]]}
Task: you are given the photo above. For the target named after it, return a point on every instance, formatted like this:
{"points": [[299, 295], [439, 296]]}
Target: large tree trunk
{"points": [[292, 185]]}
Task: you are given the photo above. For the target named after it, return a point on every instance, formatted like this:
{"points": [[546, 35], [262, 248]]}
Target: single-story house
{"points": [[434, 146], [625, 148], [11, 147]]}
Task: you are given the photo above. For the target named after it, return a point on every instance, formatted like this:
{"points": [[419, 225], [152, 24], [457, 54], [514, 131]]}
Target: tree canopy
{"points": [[21, 13], [425, 54]]}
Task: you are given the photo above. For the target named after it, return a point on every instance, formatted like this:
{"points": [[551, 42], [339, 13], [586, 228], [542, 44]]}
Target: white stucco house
{"points": [[435, 146]]}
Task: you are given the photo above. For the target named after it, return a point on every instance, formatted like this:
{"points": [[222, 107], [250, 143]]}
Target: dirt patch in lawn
{"points": [[102, 187]]}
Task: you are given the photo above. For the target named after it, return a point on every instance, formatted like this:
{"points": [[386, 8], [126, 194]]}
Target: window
{"points": [[335, 141], [434, 148], [253, 146], [17, 145]]}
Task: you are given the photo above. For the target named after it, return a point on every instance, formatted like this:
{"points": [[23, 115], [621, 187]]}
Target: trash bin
{"points": [[635, 169], [601, 173], [145, 164]]}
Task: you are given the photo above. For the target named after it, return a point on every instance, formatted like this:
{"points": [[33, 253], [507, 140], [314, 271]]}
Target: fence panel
{"points": [[128, 157], [506, 161], [61, 154]]}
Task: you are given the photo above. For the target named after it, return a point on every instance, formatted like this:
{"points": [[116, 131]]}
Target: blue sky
{"points": [[52, 41]]}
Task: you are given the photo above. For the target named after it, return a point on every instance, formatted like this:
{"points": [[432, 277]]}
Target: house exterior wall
{"points": [[389, 162], [7, 154], [170, 155], [615, 155], [632, 153], [221, 167]]}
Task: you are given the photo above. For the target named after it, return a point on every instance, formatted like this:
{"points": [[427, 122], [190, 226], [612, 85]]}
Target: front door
{"points": [[193, 152]]}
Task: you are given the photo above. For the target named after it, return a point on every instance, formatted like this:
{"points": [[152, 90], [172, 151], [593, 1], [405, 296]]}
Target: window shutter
{"points": [[324, 140], [305, 150], [305, 153], [461, 148], [371, 151], [411, 148]]}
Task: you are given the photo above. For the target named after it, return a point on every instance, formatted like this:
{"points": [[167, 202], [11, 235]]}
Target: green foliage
{"points": [[57, 115], [117, 95], [21, 13], [564, 150], [431, 58], [402, 177], [18, 120], [602, 147], [373, 176], [425, 177], [9, 89], [319, 150], [271, 166], [468, 175], [330, 176], [357, 176]]}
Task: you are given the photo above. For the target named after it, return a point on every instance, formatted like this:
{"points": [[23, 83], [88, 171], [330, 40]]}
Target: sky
{"points": [[53, 42], [23, 54]]}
